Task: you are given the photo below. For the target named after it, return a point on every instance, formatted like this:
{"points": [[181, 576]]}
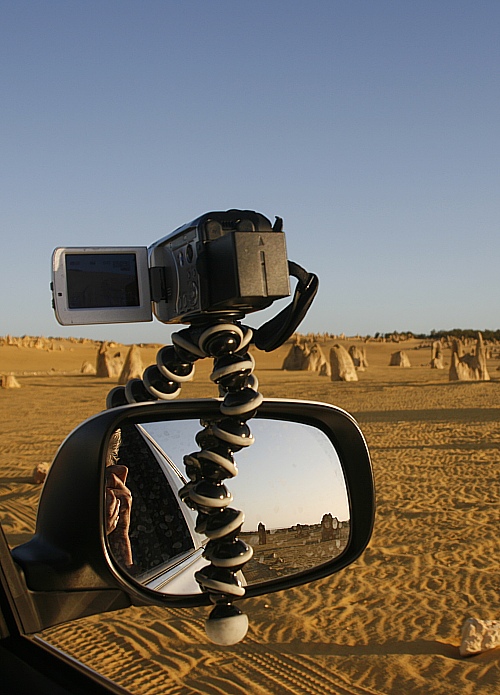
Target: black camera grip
{"points": [[274, 333]]}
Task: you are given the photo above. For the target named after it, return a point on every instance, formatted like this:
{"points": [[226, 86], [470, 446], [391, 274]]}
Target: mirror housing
{"points": [[67, 567]]}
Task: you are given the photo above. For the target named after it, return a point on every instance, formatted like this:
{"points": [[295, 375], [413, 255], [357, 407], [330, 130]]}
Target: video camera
{"points": [[222, 263]]}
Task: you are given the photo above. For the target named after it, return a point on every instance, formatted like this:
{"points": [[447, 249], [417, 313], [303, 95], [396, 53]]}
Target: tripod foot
{"points": [[226, 625]]}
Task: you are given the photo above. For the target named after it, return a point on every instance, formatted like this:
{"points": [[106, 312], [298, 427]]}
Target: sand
{"points": [[390, 623]]}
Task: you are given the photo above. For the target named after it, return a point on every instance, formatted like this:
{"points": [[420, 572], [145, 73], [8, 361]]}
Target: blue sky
{"points": [[370, 126]]}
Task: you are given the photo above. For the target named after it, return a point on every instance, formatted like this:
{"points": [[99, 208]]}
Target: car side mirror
{"points": [[305, 486]]}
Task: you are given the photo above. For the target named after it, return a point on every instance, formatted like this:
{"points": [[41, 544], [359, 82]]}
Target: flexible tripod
{"points": [[226, 341]]}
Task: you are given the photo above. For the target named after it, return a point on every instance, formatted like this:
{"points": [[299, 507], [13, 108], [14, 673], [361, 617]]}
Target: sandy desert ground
{"points": [[388, 624]]}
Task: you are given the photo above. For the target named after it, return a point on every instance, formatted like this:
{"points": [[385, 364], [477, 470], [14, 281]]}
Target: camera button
{"points": [[193, 293]]}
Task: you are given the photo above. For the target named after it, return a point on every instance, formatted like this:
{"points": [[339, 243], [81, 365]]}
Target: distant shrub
{"points": [[465, 333]]}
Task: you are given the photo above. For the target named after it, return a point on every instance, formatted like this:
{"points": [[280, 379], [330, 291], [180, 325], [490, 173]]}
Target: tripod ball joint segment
{"points": [[207, 469]]}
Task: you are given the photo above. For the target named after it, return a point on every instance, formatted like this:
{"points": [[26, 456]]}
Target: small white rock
{"points": [[479, 636], [40, 472]]}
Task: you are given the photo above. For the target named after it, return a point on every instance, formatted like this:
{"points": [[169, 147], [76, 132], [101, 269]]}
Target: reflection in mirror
{"points": [[148, 531], [290, 485]]}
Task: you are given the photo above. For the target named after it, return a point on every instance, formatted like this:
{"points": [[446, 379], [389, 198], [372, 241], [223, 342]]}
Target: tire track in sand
{"points": [[294, 674]]}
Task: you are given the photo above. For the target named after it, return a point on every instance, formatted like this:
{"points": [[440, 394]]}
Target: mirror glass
{"points": [[290, 485]]}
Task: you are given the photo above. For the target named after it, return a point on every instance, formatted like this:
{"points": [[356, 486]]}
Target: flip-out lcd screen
{"points": [[97, 281], [101, 284]]}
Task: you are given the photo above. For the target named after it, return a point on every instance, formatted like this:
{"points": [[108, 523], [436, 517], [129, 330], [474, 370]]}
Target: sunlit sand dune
{"points": [[388, 624]]}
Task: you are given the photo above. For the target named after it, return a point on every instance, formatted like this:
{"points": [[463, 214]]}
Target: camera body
{"points": [[233, 262], [222, 261]]}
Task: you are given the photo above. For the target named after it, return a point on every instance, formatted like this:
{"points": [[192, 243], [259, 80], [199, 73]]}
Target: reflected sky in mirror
{"points": [[290, 475]]}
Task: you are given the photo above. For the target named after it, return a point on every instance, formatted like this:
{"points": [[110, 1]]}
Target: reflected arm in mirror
{"points": [[118, 504], [149, 533]]}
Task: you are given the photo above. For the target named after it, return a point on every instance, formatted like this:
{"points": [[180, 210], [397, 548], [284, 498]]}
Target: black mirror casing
{"points": [[67, 568]]}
